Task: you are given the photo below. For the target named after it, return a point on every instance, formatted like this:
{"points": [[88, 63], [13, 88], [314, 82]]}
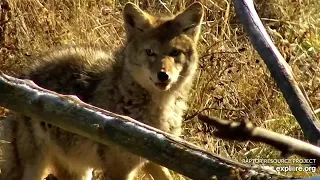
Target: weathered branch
{"points": [[73, 115], [279, 69], [246, 131]]}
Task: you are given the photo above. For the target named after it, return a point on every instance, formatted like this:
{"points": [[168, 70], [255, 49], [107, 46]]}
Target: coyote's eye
{"points": [[149, 52], [175, 52]]}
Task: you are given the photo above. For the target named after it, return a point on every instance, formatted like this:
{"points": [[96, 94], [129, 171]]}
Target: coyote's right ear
{"points": [[135, 20]]}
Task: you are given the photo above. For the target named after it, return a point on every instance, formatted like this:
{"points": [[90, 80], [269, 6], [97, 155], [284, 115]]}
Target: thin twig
{"points": [[209, 108], [246, 131]]}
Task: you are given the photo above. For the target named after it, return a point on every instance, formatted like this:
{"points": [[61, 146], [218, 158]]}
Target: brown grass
{"points": [[232, 83]]}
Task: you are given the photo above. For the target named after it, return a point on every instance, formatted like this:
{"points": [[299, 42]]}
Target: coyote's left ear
{"points": [[190, 20]]}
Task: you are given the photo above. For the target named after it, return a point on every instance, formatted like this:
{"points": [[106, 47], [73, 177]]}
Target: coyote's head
{"points": [[161, 52]]}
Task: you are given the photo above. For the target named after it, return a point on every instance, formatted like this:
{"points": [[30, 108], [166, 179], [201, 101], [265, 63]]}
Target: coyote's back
{"points": [[148, 79]]}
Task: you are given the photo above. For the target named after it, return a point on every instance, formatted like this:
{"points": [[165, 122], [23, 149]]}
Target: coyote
{"points": [[148, 79]]}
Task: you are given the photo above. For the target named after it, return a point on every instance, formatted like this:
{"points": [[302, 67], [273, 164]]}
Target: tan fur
{"points": [[125, 82]]}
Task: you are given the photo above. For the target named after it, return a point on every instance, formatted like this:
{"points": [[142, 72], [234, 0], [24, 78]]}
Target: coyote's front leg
{"points": [[157, 172]]}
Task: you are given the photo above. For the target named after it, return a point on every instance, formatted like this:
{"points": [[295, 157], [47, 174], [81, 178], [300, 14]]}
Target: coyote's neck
{"points": [[160, 110]]}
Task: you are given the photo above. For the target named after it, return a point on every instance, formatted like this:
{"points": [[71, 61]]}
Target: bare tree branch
{"points": [[279, 69], [71, 114], [245, 131]]}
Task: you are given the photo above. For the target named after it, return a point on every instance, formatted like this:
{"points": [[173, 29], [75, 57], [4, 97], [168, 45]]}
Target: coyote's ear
{"points": [[190, 20], [135, 20]]}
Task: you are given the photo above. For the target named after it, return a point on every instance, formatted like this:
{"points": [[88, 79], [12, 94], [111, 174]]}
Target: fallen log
{"points": [[71, 114]]}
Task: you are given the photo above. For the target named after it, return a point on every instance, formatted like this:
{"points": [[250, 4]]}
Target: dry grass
{"points": [[232, 83]]}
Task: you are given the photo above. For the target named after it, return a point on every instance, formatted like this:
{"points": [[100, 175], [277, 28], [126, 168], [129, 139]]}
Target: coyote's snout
{"points": [[165, 72]]}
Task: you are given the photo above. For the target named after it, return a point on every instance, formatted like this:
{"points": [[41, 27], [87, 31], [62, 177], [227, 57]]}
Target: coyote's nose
{"points": [[163, 76]]}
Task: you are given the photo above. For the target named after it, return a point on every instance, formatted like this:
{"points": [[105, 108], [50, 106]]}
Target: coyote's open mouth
{"points": [[162, 86]]}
